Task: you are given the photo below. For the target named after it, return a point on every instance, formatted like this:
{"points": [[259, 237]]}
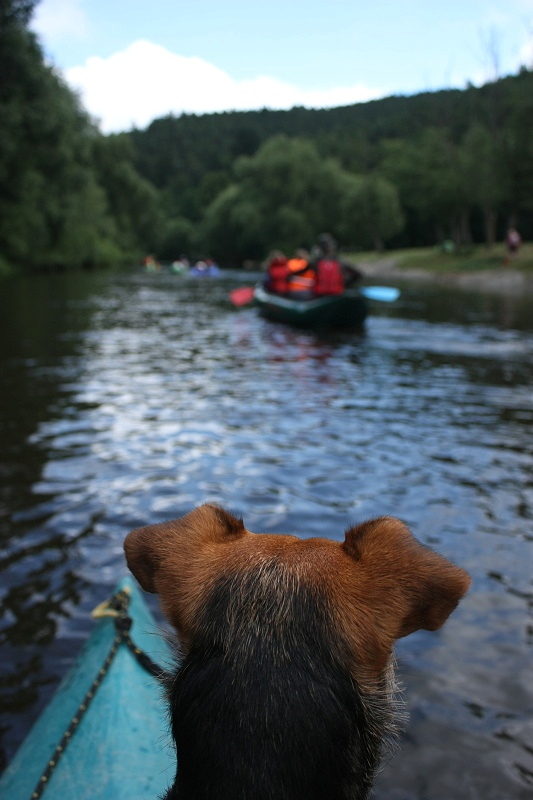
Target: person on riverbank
{"points": [[512, 243]]}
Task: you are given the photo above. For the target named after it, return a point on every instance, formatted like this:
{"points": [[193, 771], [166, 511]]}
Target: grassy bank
{"points": [[435, 260]]}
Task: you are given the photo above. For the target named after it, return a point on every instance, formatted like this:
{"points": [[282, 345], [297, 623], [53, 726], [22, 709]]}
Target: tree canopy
{"points": [[69, 197], [423, 169]]}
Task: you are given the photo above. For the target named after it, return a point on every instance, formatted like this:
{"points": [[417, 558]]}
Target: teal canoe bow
{"points": [[121, 749], [347, 310]]}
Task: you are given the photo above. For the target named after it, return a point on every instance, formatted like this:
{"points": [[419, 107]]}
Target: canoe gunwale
{"points": [[122, 747]]}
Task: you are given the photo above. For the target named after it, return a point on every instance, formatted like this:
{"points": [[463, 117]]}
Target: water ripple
{"points": [[154, 395]]}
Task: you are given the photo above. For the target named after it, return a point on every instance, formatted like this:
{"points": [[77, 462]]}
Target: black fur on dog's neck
{"points": [[263, 705]]}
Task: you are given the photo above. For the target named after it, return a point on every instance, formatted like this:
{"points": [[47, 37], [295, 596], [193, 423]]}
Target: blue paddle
{"points": [[386, 294]]}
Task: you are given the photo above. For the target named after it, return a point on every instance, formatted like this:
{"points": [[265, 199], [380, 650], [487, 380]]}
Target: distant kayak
{"points": [[121, 747], [347, 310]]}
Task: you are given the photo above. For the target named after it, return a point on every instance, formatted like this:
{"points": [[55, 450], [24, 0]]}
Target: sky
{"points": [[132, 61]]}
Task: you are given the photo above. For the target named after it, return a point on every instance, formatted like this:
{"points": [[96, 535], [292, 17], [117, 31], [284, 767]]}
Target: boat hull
{"points": [[122, 748], [348, 310]]}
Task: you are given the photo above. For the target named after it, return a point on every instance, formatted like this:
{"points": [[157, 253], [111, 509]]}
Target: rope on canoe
{"points": [[116, 607]]}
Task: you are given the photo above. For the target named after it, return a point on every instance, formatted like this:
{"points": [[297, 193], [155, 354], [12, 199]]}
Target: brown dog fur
{"points": [[377, 586]]}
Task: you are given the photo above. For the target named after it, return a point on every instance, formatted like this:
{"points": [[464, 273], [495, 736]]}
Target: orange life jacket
{"points": [[328, 277], [302, 281]]}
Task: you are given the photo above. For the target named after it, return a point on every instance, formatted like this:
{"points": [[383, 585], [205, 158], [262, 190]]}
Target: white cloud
{"points": [[526, 55], [146, 81], [56, 19]]}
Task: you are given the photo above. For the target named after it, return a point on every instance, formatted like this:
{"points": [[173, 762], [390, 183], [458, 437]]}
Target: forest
{"points": [[404, 171]]}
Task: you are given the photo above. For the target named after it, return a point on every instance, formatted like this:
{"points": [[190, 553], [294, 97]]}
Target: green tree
{"points": [[415, 142], [177, 237], [371, 211], [280, 198], [481, 176], [48, 189], [69, 197], [517, 150], [132, 201], [15, 14], [426, 172]]}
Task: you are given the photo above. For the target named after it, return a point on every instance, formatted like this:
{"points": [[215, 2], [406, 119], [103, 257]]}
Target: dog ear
{"points": [[140, 547], [169, 545], [414, 586]]}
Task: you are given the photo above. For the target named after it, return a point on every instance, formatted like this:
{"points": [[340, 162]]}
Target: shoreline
{"points": [[501, 280]]}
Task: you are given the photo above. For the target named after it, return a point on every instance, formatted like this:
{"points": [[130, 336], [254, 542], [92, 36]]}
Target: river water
{"points": [[130, 399]]}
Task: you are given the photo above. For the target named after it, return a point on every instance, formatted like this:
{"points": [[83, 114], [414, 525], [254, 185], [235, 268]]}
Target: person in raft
{"points": [[290, 276], [332, 276], [277, 273], [301, 278]]}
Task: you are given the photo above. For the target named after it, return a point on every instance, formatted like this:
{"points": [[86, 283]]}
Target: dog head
{"points": [[377, 586]]}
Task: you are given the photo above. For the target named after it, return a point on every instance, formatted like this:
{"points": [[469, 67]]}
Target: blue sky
{"points": [[134, 60]]}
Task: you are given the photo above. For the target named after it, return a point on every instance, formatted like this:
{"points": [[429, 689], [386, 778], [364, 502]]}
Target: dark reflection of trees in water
{"points": [[39, 588], [37, 584]]}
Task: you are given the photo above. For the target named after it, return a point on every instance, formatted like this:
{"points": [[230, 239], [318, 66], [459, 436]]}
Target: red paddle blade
{"points": [[242, 296]]}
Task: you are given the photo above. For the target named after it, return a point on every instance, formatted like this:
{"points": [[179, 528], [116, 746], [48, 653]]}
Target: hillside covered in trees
{"points": [[402, 171]]}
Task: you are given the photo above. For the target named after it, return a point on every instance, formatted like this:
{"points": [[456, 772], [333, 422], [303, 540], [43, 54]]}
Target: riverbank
{"points": [[477, 271]]}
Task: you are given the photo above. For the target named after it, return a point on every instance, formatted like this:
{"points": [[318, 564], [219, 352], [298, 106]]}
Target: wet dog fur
{"points": [[285, 688]]}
